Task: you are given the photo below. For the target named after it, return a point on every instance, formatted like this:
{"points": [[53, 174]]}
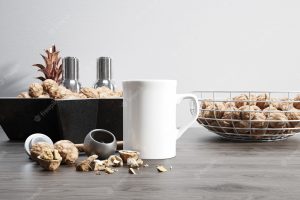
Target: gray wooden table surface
{"points": [[206, 167]]}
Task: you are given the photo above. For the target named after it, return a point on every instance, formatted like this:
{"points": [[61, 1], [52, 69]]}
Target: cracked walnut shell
{"points": [[50, 160], [38, 148], [284, 104]]}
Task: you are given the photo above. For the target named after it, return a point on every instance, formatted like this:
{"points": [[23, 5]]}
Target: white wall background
{"points": [[204, 44]]}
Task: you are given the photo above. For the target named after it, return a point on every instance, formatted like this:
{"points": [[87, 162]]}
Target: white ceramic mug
{"points": [[149, 117]]}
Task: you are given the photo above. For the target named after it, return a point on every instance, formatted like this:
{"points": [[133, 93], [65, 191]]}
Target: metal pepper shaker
{"points": [[104, 73], [70, 67]]}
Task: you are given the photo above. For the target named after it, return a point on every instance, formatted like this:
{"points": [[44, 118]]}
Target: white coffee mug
{"points": [[149, 117]]}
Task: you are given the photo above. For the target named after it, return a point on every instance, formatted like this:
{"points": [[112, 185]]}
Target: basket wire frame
{"points": [[249, 133]]}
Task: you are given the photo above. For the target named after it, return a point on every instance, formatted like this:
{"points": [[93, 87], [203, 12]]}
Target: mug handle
{"points": [[180, 98]]}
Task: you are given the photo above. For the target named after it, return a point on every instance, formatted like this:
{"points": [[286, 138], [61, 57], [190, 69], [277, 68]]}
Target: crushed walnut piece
{"points": [[125, 154], [109, 170], [131, 171], [115, 161], [98, 165], [86, 165], [161, 168]]}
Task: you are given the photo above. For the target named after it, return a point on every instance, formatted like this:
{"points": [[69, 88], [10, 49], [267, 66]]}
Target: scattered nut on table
{"points": [[68, 151]]}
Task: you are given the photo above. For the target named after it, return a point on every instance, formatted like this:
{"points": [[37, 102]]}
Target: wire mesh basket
{"points": [[250, 115]]}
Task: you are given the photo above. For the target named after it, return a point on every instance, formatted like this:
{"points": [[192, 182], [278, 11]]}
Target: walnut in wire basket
{"points": [[251, 114]]}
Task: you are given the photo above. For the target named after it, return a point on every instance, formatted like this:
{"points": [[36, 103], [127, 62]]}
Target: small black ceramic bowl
{"points": [[100, 142]]}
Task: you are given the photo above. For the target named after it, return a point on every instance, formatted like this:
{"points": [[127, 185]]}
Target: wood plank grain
{"points": [[206, 167]]}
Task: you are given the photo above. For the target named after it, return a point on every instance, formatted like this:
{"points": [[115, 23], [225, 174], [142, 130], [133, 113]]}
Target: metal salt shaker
{"points": [[104, 73], [70, 77]]}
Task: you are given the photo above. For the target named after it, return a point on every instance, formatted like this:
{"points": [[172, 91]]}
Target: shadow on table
{"points": [[290, 143]]}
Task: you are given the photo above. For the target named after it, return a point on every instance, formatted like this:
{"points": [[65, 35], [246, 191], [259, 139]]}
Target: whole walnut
{"points": [[262, 101], [54, 92], [52, 88], [293, 114], [283, 104], [212, 111], [281, 120], [247, 112], [259, 122], [35, 90], [240, 100], [252, 100], [297, 104], [38, 148], [218, 110], [269, 110], [206, 103], [242, 126], [229, 116], [67, 150], [62, 92], [90, 92], [48, 84], [229, 104]]}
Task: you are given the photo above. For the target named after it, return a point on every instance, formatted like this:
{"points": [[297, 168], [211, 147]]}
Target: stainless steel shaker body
{"points": [[104, 73], [71, 74]]}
